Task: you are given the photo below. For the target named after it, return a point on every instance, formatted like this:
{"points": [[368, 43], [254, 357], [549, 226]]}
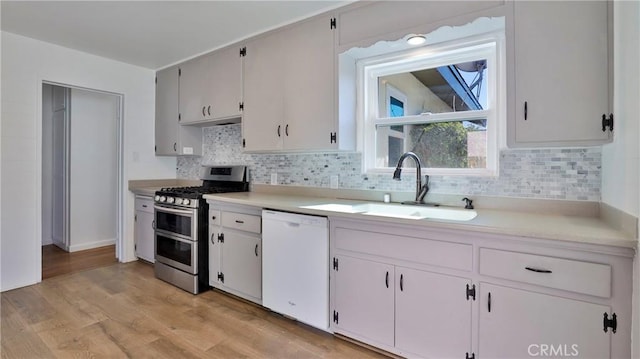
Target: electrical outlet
{"points": [[334, 181], [274, 178]]}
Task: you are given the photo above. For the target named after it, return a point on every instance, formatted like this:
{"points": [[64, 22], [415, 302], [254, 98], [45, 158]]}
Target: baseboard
{"points": [[91, 245], [46, 242]]}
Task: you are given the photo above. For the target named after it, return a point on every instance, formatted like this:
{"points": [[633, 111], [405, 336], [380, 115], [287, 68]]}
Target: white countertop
{"points": [[581, 229]]}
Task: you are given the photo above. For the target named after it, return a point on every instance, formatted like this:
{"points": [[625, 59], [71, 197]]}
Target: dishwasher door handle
{"points": [[293, 224]]}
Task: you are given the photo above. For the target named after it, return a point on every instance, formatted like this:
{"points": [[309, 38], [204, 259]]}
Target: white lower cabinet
{"points": [[144, 236], [242, 262], [433, 314], [515, 298], [364, 299], [235, 250], [420, 313], [522, 324]]}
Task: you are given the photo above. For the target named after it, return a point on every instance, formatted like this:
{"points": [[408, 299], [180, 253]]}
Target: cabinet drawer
{"points": [[418, 250], [214, 217], [571, 275], [144, 204], [243, 222]]}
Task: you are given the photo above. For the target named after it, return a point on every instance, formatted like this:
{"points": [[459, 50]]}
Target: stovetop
{"points": [[216, 179]]}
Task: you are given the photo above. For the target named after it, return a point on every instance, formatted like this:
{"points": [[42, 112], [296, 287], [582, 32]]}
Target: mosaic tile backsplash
{"points": [[571, 174]]}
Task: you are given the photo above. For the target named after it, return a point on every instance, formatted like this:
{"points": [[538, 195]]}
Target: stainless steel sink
{"points": [[399, 211]]}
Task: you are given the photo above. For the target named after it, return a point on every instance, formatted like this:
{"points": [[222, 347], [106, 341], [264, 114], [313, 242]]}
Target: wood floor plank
{"points": [[57, 262], [121, 310]]}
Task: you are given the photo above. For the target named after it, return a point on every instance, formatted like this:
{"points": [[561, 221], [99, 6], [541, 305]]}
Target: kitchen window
{"points": [[441, 102]]}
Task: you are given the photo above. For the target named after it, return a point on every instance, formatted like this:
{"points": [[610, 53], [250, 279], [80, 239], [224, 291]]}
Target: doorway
{"points": [[80, 171]]}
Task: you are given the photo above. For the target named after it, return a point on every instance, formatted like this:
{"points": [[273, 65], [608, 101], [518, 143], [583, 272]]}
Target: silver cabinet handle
{"points": [[153, 224], [256, 250], [209, 110], [239, 221], [212, 238], [203, 108]]}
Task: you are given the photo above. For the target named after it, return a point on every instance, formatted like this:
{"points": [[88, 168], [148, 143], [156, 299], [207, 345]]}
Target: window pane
{"points": [[456, 144], [450, 88], [396, 107]]}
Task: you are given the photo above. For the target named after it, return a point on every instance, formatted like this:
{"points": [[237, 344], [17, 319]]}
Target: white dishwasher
{"points": [[295, 266]]}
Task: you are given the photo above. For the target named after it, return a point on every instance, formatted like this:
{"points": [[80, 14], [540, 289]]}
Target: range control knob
{"points": [[170, 199], [186, 202], [163, 198], [157, 198]]}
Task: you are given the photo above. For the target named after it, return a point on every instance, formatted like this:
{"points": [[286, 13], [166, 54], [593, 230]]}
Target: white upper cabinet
{"points": [[210, 87], [290, 89], [263, 110], [171, 138], [561, 66]]}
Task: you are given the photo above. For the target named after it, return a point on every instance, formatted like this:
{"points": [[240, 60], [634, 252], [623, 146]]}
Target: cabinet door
{"points": [[192, 87], [166, 129], [144, 236], [309, 85], [223, 87], [561, 72], [364, 299], [523, 324], [263, 98], [214, 255], [433, 315], [242, 262]]}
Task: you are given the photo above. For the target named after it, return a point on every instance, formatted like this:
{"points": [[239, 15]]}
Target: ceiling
{"points": [[151, 34]]}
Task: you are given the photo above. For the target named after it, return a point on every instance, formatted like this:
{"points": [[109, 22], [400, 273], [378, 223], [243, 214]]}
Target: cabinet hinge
{"points": [[155, 148], [333, 137], [243, 51], [179, 72], [335, 263], [332, 24], [135, 218], [244, 143], [335, 317], [610, 323], [241, 106], [472, 356], [135, 248], [156, 80], [471, 292], [221, 237], [221, 277], [179, 117], [607, 122]]}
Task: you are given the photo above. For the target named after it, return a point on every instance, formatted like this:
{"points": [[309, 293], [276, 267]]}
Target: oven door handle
{"points": [[178, 239], [175, 211]]}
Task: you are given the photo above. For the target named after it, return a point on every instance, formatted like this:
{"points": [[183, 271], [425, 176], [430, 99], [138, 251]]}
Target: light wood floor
{"points": [[123, 311], [56, 262]]}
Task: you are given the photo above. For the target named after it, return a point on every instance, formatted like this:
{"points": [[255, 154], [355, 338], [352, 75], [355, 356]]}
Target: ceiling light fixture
{"points": [[416, 40]]}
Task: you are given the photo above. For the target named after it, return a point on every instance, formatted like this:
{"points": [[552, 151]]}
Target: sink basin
{"points": [[333, 207], [399, 211]]}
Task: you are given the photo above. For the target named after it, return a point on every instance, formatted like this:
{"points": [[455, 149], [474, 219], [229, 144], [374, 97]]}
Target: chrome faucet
{"points": [[421, 190]]}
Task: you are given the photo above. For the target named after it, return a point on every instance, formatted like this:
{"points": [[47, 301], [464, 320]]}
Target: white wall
{"points": [[621, 159], [25, 64], [93, 169]]}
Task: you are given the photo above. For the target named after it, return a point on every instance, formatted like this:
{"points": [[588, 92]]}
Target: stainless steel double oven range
{"points": [[181, 230]]}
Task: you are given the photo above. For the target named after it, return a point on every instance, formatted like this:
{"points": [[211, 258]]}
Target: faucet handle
{"points": [[468, 204]]}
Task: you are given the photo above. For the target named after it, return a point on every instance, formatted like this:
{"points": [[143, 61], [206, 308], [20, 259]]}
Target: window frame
{"points": [[488, 46]]}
